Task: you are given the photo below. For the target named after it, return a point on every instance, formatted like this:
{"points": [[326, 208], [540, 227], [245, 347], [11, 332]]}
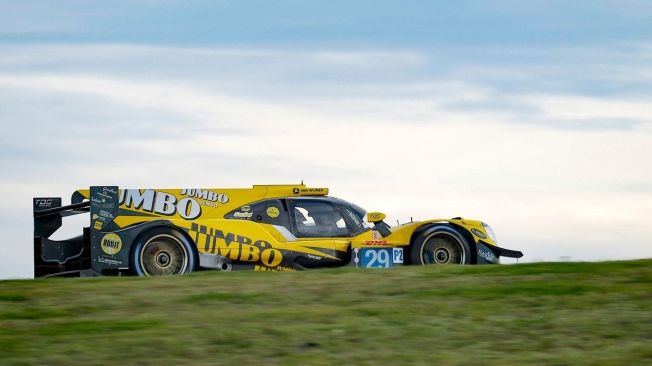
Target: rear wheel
{"points": [[163, 251], [440, 245]]}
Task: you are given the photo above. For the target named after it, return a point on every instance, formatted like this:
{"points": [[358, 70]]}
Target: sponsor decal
{"points": [[106, 190], [111, 244], [488, 255], [108, 261], [104, 200], [273, 212], [106, 214], [478, 233], [205, 195], [243, 215], [105, 194], [275, 269], [355, 219], [236, 247], [376, 243], [101, 218], [310, 191], [374, 216], [43, 203], [245, 208], [161, 203], [375, 234]]}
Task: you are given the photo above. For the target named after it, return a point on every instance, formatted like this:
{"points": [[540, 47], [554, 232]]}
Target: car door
{"points": [[320, 226]]}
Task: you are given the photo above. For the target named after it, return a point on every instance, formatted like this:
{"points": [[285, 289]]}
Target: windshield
{"points": [[357, 210], [357, 215]]}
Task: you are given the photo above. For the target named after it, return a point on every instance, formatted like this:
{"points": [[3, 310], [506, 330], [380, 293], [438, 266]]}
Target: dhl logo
{"points": [[376, 243]]}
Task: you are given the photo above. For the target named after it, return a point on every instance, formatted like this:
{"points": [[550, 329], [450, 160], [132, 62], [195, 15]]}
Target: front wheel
{"points": [[440, 244], [162, 251]]}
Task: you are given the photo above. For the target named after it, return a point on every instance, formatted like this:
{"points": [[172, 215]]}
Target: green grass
{"points": [[543, 314]]}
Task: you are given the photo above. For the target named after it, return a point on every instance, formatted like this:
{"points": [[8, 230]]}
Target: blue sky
{"points": [[313, 24], [532, 116]]}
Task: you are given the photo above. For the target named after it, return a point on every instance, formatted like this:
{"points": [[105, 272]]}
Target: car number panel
{"points": [[381, 257]]}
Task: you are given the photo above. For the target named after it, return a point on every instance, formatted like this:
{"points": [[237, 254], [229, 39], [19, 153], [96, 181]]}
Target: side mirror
{"points": [[377, 218], [374, 217]]}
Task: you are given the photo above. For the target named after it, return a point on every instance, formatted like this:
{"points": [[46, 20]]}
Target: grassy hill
{"points": [[554, 314]]}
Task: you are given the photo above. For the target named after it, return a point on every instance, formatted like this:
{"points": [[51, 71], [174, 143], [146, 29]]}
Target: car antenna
{"points": [[411, 219], [301, 181], [398, 223]]}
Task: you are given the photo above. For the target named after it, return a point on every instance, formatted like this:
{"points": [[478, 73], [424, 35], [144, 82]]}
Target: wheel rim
{"points": [[442, 248], [163, 255]]}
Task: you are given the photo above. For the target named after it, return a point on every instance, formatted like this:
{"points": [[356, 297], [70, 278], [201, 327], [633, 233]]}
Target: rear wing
{"points": [[63, 258], [70, 257]]}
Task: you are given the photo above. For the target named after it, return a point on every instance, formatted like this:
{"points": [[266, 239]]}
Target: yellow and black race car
{"points": [[150, 232]]}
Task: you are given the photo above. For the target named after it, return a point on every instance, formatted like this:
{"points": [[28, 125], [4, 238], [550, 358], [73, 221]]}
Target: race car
{"points": [[153, 232]]}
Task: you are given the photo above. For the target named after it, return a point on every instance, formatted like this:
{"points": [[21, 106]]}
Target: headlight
{"points": [[489, 232]]}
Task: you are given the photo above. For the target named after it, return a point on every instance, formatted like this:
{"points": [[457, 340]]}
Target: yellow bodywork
{"points": [[201, 214], [401, 235]]}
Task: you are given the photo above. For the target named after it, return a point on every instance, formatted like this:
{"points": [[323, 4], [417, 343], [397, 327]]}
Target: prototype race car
{"points": [[151, 232]]}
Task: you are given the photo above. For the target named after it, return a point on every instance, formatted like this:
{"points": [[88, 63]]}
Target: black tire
{"points": [[440, 244], [162, 251]]}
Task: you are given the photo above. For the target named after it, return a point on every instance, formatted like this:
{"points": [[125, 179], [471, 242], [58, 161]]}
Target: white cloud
{"points": [[583, 107]]}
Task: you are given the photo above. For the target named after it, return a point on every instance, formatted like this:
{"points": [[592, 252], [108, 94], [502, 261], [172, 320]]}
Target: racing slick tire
{"points": [[162, 251], [440, 244]]}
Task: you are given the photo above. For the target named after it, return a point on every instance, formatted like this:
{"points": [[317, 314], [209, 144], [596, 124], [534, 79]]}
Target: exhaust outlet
{"points": [[215, 261]]}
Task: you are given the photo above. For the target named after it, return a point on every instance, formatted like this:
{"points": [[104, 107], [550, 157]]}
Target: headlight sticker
{"points": [[478, 233]]}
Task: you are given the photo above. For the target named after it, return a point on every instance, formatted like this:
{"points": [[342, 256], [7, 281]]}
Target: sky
{"points": [[534, 117]]}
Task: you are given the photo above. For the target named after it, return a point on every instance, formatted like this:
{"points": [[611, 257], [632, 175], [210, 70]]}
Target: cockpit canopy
{"points": [[307, 217]]}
